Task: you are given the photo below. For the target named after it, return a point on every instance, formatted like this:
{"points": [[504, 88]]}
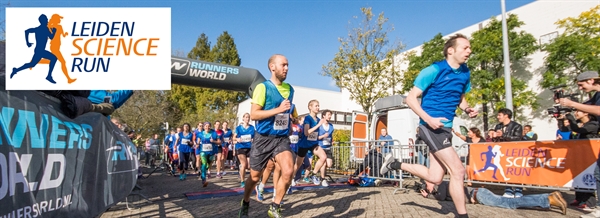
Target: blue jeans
{"points": [[509, 189], [486, 197], [423, 160]]}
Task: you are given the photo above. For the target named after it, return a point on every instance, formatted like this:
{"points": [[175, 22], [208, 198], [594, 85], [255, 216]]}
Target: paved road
{"points": [[168, 200]]}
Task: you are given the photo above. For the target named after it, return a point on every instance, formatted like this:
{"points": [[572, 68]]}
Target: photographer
{"points": [[588, 81], [589, 124], [587, 129]]}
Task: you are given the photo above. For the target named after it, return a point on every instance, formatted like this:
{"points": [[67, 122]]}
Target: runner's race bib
{"points": [[313, 136], [281, 121], [327, 141], [185, 141], [294, 139], [246, 138], [207, 147]]}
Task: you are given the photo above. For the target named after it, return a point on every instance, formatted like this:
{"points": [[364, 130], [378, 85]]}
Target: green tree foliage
{"points": [[364, 62], [205, 104], [487, 66], [432, 51], [145, 112], [341, 135], [185, 96], [574, 51]]}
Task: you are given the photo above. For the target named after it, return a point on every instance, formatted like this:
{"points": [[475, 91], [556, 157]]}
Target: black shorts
{"points": [[303, 151], [220, 150], [230, 155], [328, 153], [244, 151], [265, 148], [436, 139]]}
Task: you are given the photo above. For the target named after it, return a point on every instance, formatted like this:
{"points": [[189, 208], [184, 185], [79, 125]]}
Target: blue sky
{"points": [[306, 32]]}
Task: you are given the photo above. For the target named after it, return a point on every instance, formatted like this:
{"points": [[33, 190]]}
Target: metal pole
{"points": [[507, 82]]}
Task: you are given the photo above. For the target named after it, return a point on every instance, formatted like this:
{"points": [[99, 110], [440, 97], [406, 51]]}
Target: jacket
{"points": [[512, 132], [589, 130]]}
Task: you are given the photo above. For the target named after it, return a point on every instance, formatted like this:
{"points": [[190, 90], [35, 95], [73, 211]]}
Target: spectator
{"points": [[473, 136], [529, 135], [507, 131], [589, 125], [153, 150], [117, 98], [588, 82], [587, 130], [386, 141], [490, 135], [564, 131]]}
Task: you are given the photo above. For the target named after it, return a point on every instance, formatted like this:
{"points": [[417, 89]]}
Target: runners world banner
{"points": [[565, 163], [53, 166]]}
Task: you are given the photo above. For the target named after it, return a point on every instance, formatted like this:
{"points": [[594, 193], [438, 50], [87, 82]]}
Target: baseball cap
{"points": [[588, 75]]}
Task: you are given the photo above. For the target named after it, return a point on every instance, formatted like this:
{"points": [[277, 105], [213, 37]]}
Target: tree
{"points": [[205, 104], [145, 112], [432, 51], [225, 52], [184, 96], [574, 51], [364, 64], [487, 67]]}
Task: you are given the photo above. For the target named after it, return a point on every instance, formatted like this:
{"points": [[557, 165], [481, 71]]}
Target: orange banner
{"points": [[565, 163]]}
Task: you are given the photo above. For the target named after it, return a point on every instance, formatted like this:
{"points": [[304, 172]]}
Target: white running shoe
{"points": [[595, 213], [324, 183], [389, 158]]}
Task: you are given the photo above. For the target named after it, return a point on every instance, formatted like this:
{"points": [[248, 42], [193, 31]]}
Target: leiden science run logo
{"points": [[80, 46]]}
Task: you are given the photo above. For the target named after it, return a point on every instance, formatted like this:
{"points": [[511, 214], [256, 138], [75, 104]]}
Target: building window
{"points": [[548, 38]]}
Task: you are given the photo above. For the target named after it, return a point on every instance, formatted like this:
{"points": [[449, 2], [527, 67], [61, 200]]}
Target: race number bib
{"points": [[294, 139], [281, 121], [185, 141], [327, 141], [246, 138], [313, 136], [207, 147]]}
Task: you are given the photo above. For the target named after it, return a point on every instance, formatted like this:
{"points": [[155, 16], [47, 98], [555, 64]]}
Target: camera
{"points": [[418, 186], [559, 93]]}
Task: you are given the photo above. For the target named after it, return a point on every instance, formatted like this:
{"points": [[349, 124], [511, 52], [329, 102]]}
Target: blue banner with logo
{"points": [[53, 166]]}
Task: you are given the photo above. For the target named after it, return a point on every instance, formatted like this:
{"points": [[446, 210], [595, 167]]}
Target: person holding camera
{"points": [[486, 197], [588, 81], [586, 129]]}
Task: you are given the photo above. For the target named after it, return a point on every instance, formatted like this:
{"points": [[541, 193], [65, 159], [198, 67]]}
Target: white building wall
{"points": [[539, 18]]}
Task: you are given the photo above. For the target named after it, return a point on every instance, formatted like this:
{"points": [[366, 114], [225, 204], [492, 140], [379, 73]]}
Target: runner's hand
{"points": [[436, 123], [285, 106], [471, 112]]}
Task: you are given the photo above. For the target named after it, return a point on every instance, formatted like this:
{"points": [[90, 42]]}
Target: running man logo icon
{"points": [[446, 141], [46, 30], [492, 160]]}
